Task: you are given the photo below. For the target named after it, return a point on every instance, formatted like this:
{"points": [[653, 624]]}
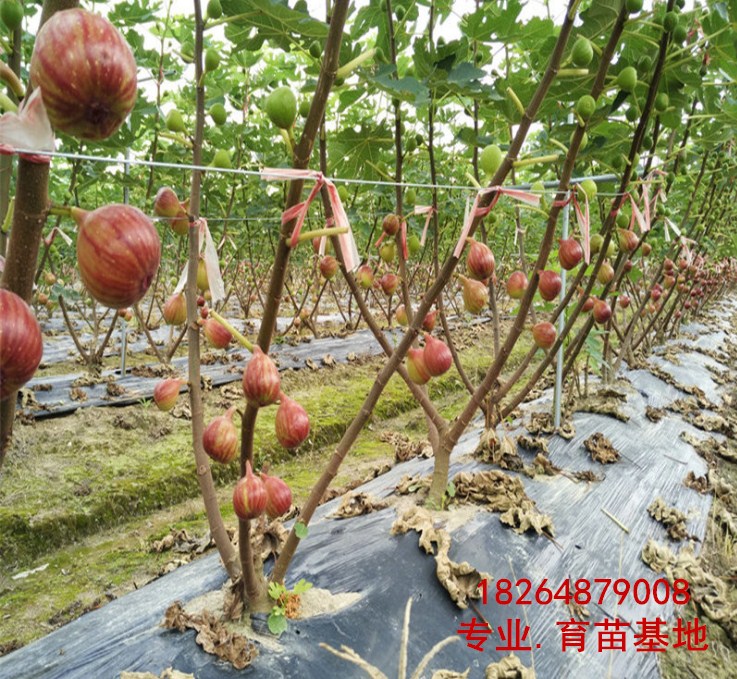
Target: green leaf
{"points": [[276, 590], [450, 490], [273, 21], [277, 622], [300, 530], [302, 586]]}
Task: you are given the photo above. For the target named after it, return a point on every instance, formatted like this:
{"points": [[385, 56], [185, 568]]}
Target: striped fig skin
{"points": [[86, 72], [21, 346], [118, 253]]}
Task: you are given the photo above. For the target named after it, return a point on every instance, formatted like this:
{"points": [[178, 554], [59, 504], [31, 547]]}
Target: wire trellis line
{"points": [[340, 180]]}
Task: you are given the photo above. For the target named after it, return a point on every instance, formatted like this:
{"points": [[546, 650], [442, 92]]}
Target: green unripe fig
{"points": [[661, 102], [647, 141], [315, 49], [218, 114], [680, 4], [281, 107], [382, 5], [221, 159], [11, 12], [623, 219], [387, 251], [419, 139], [214, 9], [212, 60], [635, 162], [343, 193], [410, 196], [301, 6], [304, 107], [584, 140], [490, 159], [597, 240], [400, 12], [175, 122], [670, 21], [680, 33], [339, 82], [627, 79], [413, 245], [187, 52], [586, 106], [411, 145], [587, 188], [611, 249], [632, 114], [618, 162], [582, 53], [633, 6]]}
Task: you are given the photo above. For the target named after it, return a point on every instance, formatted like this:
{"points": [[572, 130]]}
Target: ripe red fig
{"points": [[278, 496], [480, 260], [438, 358], [21, 345], [682, 264], [200, 300], [606, 273], [216, 334], [655, 294], [550, 285], [428, 323], [249, 496], [588, 305], [204, 312], [628, 266], [678, 314], [401, 315], [86, 72], [646, 249], [292, 423], [42, 298], [628, 240], [118, 252], [475, 295], [328, 267], [390, 225], [687, 304], [166, 393], [570, 253], [416, 366], [669, 282], [175, 309], [220, 438], [668, 264], [261, 380], [517, 284], [602, 311], [544, 334], [166, 204], [365, 277], [623, 301], [389, 283]]}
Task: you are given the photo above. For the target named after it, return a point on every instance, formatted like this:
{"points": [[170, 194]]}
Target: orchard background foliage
{"points": [[617, 112]]}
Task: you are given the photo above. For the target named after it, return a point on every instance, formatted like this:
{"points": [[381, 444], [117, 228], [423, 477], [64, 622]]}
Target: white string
{"points": [[257, 173]]}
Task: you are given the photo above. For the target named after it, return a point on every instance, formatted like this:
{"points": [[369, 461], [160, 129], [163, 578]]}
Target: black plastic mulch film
{"points": [[359, 555]]}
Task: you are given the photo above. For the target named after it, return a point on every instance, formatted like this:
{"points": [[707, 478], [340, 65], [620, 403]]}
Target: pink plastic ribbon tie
{"points": [[480, 212], [403, 238], [212, 264], [424, 210], [29, 128], [299, 212]]}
